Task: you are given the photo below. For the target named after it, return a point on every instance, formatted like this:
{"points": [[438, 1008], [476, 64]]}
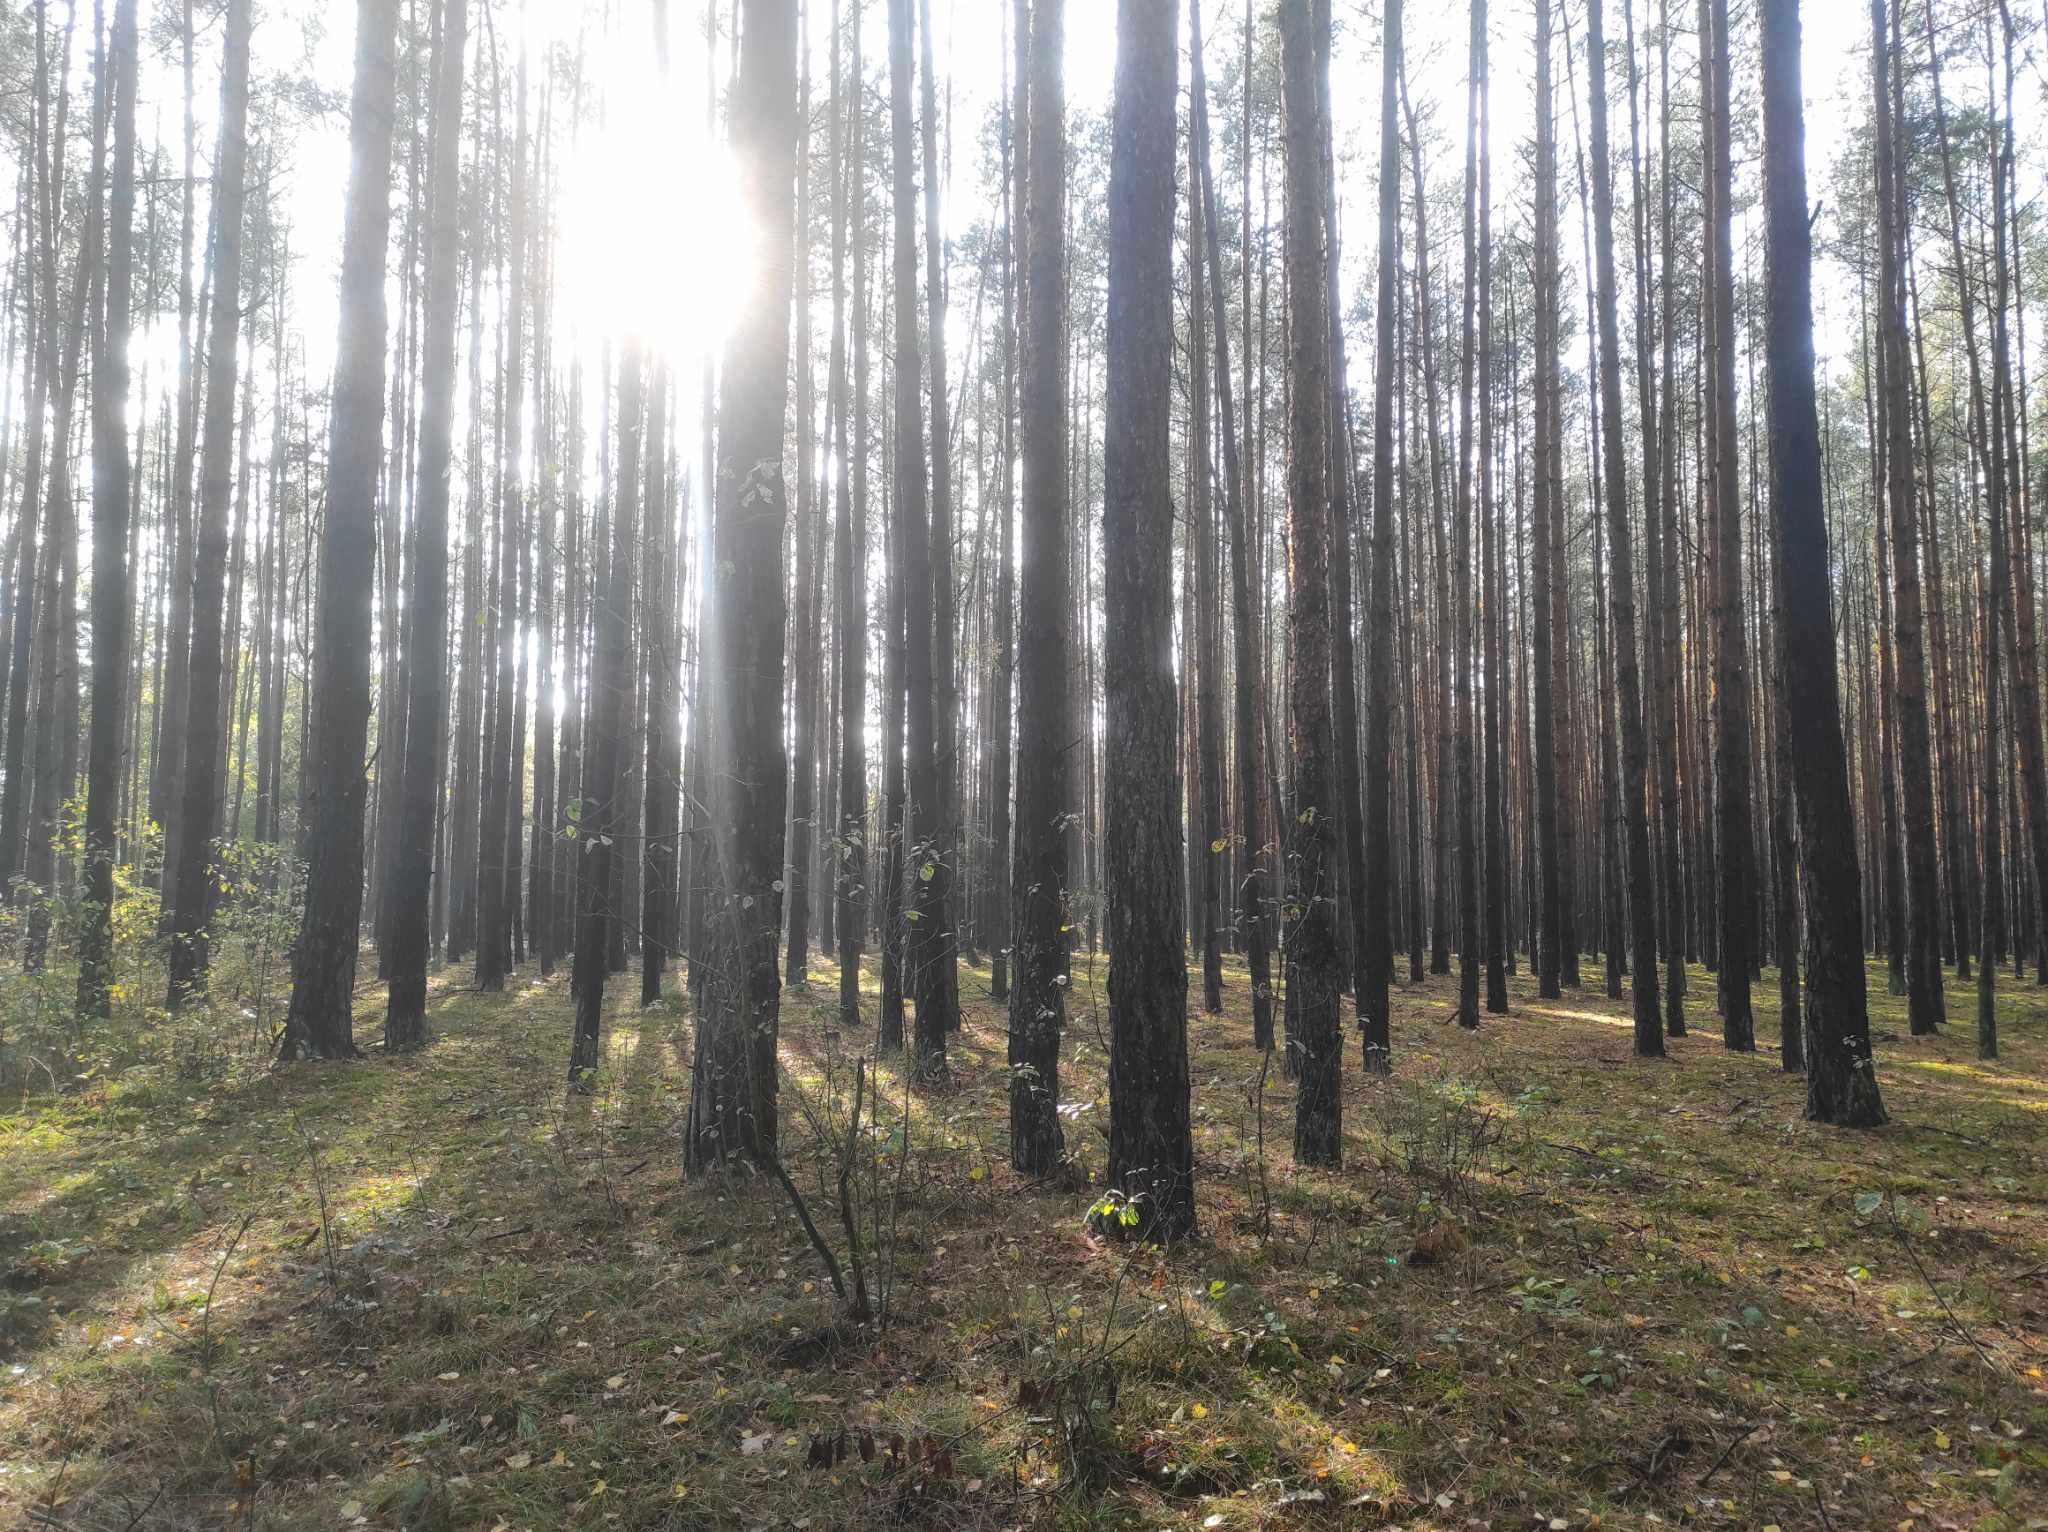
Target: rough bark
{"points": [[1841, 1079]]}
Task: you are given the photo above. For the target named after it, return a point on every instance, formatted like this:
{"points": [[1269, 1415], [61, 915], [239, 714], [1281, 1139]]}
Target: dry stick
{"points": [[1905, 1244], [803, 1215], [860, 1281], [1743, 1436]]}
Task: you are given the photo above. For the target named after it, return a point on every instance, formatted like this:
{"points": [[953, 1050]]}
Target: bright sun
{"points": [[652, 229]]}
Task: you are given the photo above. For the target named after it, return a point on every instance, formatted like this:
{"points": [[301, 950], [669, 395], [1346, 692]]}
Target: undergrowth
{"points": [[1553, 1287]]}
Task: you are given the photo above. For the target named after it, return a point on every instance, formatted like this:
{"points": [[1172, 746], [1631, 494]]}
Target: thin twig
{"points": [[1744, 1435], [1906, 1244]]}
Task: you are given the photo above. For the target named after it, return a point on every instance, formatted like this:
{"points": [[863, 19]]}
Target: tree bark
{"points": [[320, 1022], [733, 1090], [193, 889], [1841, 1079], [1040, 873]]}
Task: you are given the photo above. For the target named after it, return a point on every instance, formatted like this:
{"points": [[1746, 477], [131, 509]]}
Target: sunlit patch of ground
{"points": [[1553, 1286]]}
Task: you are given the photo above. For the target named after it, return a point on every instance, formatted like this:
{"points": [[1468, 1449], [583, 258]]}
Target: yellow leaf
{"points": [[559, 1460], [519, 1460], [616, 1381], [676, 1418], [679, 1492], [1199, 1411], [599, 1490], [1346, 1446], [1941, 1441], [979, 1173]]}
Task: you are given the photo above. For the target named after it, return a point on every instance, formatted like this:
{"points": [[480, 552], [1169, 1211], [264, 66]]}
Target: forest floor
{"points": [[1554, 1287]]}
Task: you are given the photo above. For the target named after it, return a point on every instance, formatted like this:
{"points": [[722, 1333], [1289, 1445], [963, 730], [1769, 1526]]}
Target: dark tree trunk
{"points": [[1925, 1006], [1040, 873], [849, 538], [1841, 1078], [733, 1090], [111, 514], [321, 1022], [600, 801], [1209, 845], [1649, 1039], [193, 887], [927, 943], [1251, 840], [1151, 1147], [806, 620], [1550, 961], [426, 607], [1461, 558], [1374, 1008], [938, 969], [1314, 961]]}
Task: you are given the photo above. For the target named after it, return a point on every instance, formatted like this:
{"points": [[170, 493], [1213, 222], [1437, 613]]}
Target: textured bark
{"points": [[1208, 846], [111, 514], [1251, 840], [938, 969], [1925, 1006], [661, 669], [497, 881], [1374, 1009], [1841, 1080], [193, 888], [849, 550], [1739, 891], [1314, 975], [1151, 1147], [1467, 1007], [320, 1022], [426, 607], [927, 945], [733, 1088], [806, 618], [1549, 852], [1649, 1039], [1040, 874]]}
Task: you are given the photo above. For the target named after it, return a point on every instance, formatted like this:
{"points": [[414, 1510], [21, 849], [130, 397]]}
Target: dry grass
{"points": [[1553, 1287]]}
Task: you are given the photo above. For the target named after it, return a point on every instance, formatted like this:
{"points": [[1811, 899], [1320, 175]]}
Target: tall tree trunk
{"points": [[1314, 977], [1251, 840], [1550, 896], [733, 1093], [426, 607], [193, 887], [806, 623], [1151, 1146], [1040, 873], [320, 1021], [1374, 1009], [939, 968], [1208, 846], [849, 535], [1649, 1039], [1841, 1078], [1739, 891], [1925, 1006], [111, 514], [1467, 1007]]}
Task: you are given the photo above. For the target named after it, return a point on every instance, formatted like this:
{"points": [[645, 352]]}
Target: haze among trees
{"points": [[1153, 624]]}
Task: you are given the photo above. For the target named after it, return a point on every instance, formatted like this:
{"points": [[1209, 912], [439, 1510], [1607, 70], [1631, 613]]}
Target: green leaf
{"points": [[1868, 1203]]}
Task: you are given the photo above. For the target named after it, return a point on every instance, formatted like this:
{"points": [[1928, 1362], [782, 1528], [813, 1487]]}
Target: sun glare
{"points": [[652, 226]]}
